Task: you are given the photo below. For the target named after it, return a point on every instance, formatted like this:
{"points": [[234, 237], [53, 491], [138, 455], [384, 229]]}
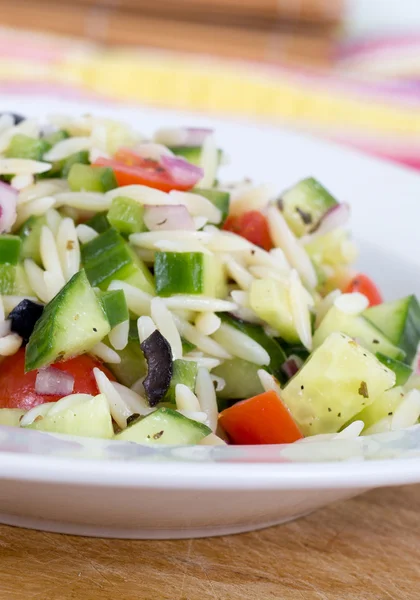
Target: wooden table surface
{"points": [[363, 549]]}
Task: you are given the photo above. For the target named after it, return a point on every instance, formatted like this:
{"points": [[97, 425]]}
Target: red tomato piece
{"points": [[17, 388], [364, 285], [251, 225], [131, 169], [263, 419]]}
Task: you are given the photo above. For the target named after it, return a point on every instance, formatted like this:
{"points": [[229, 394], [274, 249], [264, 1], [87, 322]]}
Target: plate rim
{"points": [[208, 475]]}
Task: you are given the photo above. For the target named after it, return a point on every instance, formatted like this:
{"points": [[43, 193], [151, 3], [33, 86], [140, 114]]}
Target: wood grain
{"points": [[305, 11], [107, 24], [364, 549]]}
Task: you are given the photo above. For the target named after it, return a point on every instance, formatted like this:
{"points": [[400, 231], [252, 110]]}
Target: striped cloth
{"points": [[353, 105]]}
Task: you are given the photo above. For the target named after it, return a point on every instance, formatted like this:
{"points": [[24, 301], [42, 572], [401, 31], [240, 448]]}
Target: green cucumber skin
{"points": [[126, 216], [61, 168], [108, 257], [401, 370], [115, 307], [184, 371], [400, 322], [164, 426], [115, 264], [81, 158], [305, 204], [358, 327], [193, 153], [220, 199], [91, 179], [58, 334], [23, 146], [96, 248], [257, 333], [179, 273], [10, 248], [99, 222]]}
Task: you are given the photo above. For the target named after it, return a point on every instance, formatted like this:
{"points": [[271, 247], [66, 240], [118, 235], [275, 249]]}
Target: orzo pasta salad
{"points": [[143, 299]]}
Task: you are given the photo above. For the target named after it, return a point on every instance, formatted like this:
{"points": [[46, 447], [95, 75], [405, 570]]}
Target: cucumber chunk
{"points": [[338, 380], [193, 153], [30, 233], [304, 205], [221, 200], [109, 257], [164, 426], [23, 146], [115, 307], [189, 273], [99, 222], [400, 322], [126, 216], [241, 380], [257, 333], [184, 371], [81, 158], [401, 370], [71, 324], [333, 248], [79, 414], [61, 168], [133, 364], [7, 279], [10, 247], [10, 417], [13, 280], [382, 407], [270, 300], [359, 328], [57, 136], [91, 179]]}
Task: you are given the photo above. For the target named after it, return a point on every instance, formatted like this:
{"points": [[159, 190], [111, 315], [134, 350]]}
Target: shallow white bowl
{"points": [[93, 487]]}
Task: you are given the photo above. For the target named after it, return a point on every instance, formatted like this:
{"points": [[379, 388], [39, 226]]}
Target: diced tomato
{"points": [[263, 419], [131, 169], [251, 225], [17, 388], [364, 285]]}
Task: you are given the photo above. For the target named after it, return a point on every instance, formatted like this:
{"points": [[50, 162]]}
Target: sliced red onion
{"points": [[53, 382], [8, 202], [292, 365], [195, 136], [336, 216], [182, 172], [168, 217]]}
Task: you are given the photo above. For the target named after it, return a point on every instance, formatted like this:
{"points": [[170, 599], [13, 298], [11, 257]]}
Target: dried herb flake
{"points": [[363, 389]]}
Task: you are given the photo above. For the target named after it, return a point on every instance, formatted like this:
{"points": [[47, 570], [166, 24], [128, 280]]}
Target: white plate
{"points": [[93, 487]]}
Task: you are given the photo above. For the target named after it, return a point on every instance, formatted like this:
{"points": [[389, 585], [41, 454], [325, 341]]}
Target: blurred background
{"points": [[348, 70]]}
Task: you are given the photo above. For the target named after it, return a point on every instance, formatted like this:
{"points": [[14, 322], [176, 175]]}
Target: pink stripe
{"points": [[399, 152], [378, 45], [31, 52], [56, 89]]}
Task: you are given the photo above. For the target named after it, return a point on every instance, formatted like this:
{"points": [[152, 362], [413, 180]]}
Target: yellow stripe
{"points": [[222, 87]]}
